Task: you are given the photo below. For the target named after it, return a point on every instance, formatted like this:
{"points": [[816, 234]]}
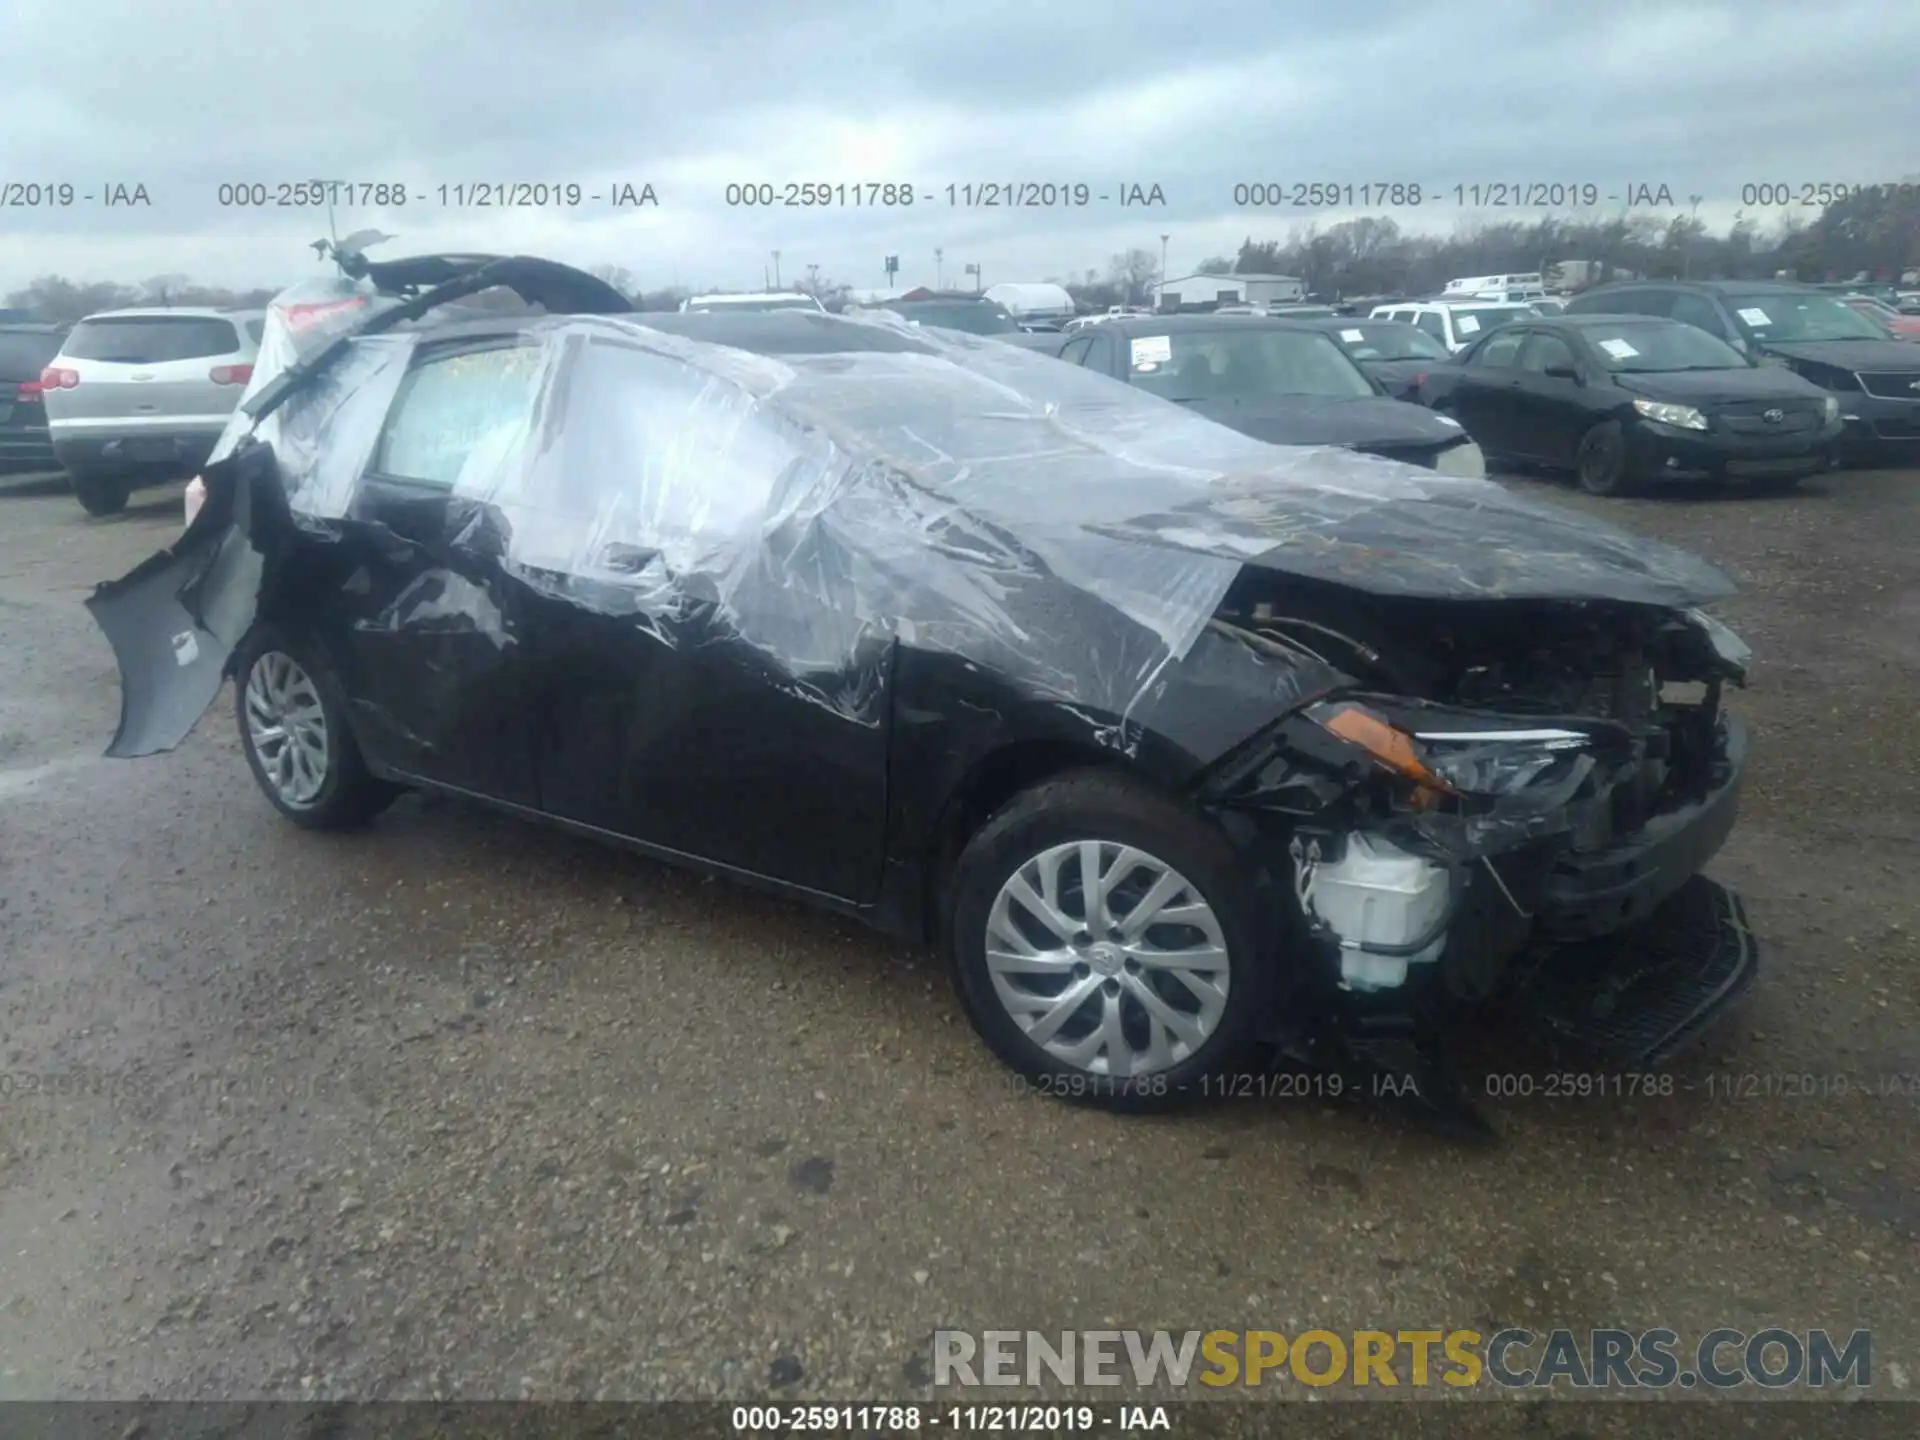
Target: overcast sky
{"points": [[1193, 97]]}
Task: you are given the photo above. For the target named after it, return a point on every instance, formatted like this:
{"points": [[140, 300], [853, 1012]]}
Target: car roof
{"points": [[940, 302], [784, 332], [1456, 304], [189, 312], [745, 295], [1345, 322], [1599, 322], [1177, 324], [1714, 287]]}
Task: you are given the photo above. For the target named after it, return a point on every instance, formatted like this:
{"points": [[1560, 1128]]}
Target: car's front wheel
{"points": [[1106, 943], [102, 493], [293, 726], [1600, 462]]}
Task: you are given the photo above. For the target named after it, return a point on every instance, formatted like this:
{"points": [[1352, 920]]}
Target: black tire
{"points": [[1600, 461], [348, 795], [1119, 810], [102, 494]]}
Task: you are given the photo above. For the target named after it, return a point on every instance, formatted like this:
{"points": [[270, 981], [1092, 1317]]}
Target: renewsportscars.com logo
{"points": [[1601, 1359]]}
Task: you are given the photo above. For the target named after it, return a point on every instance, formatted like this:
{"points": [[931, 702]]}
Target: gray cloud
{"points": [[1701, 97]]}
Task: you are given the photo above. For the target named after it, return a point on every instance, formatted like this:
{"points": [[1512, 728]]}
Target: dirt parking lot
{"points": [[462, 1107]]}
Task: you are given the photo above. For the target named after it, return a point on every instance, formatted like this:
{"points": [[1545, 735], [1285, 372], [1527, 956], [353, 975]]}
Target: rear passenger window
{"points": [[257, 330], [475, 407], [151, 339], [1499, 352], [1433, 323]]}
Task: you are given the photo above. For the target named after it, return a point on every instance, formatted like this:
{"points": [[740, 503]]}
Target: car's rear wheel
{"points": [[293, 726], [102, 493], [1106, 943], [1600, 462]]}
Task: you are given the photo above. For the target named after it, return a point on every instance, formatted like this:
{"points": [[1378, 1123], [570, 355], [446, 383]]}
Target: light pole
{"points": [[1693, 225], [939, 258], [776, 269], [813, 279], [1160, 296]]}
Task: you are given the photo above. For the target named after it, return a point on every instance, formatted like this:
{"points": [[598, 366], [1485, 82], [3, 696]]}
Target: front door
{"points": [[1549, 411], [702, 681]]}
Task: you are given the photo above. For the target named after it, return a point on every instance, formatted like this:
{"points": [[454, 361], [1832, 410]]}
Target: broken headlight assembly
{"points": [[1466, 759]]}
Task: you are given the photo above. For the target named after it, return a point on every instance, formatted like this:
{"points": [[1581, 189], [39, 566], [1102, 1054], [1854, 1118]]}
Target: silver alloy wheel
{"points": [[287, 727], [1107, 958]]}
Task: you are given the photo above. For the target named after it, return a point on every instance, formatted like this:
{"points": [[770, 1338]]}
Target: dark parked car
{"points": [[25, 350], [1283, 381], [1876, 378], [1395, 354], [1621, 400], [1179, 745], [973, 316]]}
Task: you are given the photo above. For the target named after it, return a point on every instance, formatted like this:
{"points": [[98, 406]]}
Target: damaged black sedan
{"points": [[1177, 743]]}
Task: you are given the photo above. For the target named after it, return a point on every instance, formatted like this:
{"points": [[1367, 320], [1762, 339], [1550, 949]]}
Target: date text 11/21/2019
{"points": [[970, 195], [1487, 195]]}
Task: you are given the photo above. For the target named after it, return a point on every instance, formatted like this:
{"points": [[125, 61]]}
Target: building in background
{"points": [[1206, 292]]}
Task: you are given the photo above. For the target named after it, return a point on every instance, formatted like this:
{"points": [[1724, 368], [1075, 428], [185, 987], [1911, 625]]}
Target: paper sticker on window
{"points": [[1151, 350], [1755, 317], [1466, 324], [1352, 337], [1618, 349]]}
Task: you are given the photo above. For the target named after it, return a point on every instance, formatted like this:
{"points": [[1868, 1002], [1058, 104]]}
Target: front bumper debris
{"points": [[1598, 892], [1639, 996]]}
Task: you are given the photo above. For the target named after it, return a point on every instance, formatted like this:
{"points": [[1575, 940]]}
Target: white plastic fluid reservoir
{"points": [[1379, 896]]}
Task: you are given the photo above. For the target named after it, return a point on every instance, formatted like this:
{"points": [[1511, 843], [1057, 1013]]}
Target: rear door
{"points": [[434, 650], [153, 375]]}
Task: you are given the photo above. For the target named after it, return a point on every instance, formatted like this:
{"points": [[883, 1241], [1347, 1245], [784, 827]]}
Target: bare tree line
{"points": [[1873, 234]]}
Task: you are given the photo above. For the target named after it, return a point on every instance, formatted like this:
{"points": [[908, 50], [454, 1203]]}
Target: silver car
{"points": [[140, 396]]}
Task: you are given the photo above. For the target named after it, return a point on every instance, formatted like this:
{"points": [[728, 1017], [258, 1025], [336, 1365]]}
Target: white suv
{"points": [[1456, 324], [140, 396]]}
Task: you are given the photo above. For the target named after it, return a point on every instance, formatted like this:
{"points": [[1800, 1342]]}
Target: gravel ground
{"points": [[460, 1107]]}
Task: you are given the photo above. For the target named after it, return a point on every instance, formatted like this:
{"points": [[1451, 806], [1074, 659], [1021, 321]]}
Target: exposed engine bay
{"points": [[1501, 775]]}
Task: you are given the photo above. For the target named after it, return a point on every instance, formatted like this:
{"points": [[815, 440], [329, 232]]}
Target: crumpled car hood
{"points": [[1435, 537]]}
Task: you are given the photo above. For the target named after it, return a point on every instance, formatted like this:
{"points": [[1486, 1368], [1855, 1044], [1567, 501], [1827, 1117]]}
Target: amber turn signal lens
{"points": [[1392, 748]]}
